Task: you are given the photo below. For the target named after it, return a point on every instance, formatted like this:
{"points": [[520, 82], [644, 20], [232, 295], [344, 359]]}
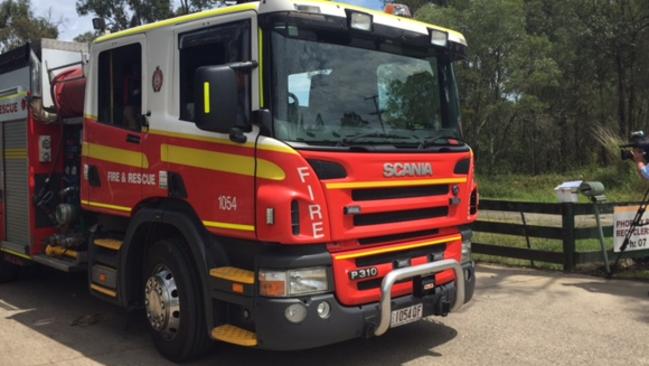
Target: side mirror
{"points": [[215, 98]]}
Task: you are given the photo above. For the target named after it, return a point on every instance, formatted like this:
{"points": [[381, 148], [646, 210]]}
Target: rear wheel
{"points": [[8, 271], [174, 303]]}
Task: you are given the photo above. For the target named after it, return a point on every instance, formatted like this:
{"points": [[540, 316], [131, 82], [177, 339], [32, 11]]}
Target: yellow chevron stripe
{"points": [[114, 155], [222, 162], [227, 225], [396, 183]]}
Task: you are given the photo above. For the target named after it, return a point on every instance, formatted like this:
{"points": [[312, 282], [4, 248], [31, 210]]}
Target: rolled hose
{"points": [[56, 251]]}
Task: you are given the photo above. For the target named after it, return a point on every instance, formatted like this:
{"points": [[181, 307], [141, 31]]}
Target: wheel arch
{"points": [[159, 219]]}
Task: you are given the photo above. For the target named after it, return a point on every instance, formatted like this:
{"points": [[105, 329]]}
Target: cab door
{"points": [[113, 138]]}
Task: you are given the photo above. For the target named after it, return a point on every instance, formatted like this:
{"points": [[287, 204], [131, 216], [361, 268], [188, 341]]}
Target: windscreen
{"points": [[358, 91]]}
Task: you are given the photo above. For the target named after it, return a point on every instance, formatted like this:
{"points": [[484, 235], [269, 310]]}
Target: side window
{"points": [[217, 45], [120, 87]]}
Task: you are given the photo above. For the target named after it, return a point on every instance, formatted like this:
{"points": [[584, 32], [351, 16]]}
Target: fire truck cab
{"points": [[278, 174]]}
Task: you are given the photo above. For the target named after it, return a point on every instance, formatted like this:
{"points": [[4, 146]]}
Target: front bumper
{"points": [[276, 333]]}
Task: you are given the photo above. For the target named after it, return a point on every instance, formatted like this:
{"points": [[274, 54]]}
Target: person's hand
{"points": [[638, 156]]}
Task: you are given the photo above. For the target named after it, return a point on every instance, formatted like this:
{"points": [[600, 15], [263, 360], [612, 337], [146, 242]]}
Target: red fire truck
{"points": [[281, 174]]}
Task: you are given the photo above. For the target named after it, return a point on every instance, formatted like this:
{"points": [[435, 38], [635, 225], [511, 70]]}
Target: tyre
{"points": [[8, 271], [173, 301]]}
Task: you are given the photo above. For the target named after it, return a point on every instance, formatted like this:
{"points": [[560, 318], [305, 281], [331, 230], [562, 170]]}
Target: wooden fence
{"points": [[567, 233]]}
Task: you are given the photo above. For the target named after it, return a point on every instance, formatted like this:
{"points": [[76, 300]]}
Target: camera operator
{"points": [[641, 164]]}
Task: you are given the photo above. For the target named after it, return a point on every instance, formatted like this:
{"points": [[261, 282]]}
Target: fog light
{"points": [[466, 250], [295, 313], [324, 310]]}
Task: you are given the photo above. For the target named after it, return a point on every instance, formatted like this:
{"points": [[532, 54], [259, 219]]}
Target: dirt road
{"points": [[518, 317]]}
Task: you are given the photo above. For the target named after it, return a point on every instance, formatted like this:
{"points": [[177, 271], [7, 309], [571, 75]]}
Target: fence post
{"points": [[568, 229]]}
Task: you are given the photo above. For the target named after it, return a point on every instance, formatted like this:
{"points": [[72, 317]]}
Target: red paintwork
{"points": [[332, 227], [36, 129], [69, 92]]}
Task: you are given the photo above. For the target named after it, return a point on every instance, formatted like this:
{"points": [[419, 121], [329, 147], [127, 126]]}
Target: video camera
{"points": [[637, 140]]}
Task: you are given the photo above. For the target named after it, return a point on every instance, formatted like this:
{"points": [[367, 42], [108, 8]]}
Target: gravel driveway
{"points": [[517, 317]]}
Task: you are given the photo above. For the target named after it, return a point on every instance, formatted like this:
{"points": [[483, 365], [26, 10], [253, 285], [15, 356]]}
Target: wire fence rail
{"points": [[568, 233]]}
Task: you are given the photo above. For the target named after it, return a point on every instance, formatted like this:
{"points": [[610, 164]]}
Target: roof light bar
{"points": [[400, 10]]}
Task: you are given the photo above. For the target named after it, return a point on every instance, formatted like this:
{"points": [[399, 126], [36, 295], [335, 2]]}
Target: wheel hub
{"points": [[162, 303]]}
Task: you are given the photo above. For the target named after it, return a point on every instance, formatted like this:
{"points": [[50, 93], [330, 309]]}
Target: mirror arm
{"points": [[245, 66], [237, 135], [264, 119]]}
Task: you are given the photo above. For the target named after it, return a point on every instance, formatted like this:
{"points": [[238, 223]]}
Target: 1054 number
{"points": [[228, 203]]}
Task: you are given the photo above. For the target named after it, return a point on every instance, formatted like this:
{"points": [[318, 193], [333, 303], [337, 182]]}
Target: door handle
{"points": [[133, 139]]}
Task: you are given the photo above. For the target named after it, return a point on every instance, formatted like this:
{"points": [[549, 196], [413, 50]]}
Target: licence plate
{"points": [[406, 315]]}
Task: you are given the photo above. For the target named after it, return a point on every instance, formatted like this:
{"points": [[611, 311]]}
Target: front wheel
{"points": [[173, 302], [8, 271]]}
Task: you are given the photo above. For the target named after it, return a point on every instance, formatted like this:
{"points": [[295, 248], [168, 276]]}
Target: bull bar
{"points": [[385, 304]]}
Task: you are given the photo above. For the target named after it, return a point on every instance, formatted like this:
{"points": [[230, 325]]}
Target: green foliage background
{"points": [[544, 78]]}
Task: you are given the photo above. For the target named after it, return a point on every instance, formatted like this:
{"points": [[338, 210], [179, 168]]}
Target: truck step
{"points": [[234, 274], [62, 264], [232, 334], [103, 290], [110, 244]]}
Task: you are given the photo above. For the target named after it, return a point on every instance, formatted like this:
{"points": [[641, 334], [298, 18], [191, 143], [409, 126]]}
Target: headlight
{"points": [[295, 282], [466, 250]]}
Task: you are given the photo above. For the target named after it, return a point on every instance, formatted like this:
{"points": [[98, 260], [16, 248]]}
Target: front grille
{"points": [[398, 192], [376, 283], [397, 237], [399, 216], [434, 252]]}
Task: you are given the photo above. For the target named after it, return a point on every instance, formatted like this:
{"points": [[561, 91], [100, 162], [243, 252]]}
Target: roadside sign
{"points": [[622, 217]]}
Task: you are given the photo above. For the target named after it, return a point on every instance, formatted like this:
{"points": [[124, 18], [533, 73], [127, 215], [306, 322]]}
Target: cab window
{"points": [[219, 45], [120, 87]]}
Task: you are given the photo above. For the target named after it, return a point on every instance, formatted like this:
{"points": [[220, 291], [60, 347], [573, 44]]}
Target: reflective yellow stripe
{"points": [[14, 95], [206, 97], [178, 20], [260, 37], [227, 225], [396, 183], [398, 248], [21, 255], [114, 155], [217, 140], [105, 205], [103, 290], [90, 116], [234, 274], [222, 162], [15, 154]]}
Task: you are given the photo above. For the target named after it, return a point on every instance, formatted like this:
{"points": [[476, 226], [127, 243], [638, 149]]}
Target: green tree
{"points": [[86, 37], [503, 78], [18, 25], [122, 14]]}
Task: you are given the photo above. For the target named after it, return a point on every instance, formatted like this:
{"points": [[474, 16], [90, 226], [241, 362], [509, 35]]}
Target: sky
{"points": [[64, 12]]}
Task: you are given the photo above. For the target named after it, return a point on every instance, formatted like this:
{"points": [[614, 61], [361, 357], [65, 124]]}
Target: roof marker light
{"points": [[307, 8], [360, 21], [438, 38]]}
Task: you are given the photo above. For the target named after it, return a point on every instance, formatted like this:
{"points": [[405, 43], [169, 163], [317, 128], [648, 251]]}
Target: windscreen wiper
{"points": [[441, 140], [350, 139]]}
